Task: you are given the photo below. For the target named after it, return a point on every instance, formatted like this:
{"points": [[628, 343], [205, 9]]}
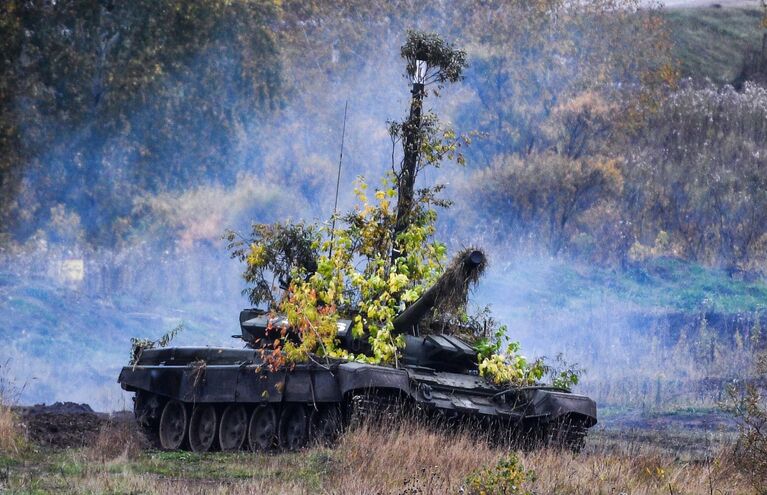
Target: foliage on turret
{"points": [[383, 255]]}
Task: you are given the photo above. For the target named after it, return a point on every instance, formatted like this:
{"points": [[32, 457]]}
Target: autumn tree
{"points": [[531, 58], [101, 101]]}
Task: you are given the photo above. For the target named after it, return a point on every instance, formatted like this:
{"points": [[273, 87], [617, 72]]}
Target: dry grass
{"points": [[397, 459], [117, 440], [644, 474], [393, 460], [11, 434]]}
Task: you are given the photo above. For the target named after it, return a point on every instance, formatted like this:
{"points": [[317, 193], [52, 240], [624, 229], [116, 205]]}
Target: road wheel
{"points": [[173, 424], [293, 427], [262, 430], [202, 428], [233, 428], [147, 410], [325, 425]]}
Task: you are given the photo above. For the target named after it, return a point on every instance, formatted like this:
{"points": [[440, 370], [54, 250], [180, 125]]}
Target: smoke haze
{"points": [[104, 247]]}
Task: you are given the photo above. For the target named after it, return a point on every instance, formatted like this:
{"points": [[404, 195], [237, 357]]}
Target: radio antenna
{"points": [[338, 182]]}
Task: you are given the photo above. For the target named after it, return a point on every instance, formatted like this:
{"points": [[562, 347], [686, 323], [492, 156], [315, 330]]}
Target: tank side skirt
{"points": [[213, 384], [236, 384]]}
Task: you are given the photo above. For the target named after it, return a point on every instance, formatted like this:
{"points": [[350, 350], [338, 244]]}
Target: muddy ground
{"points": [[64, 424]]}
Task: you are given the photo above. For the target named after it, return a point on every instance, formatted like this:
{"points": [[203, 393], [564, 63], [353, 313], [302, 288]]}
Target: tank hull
{"points": [[189, 379]]}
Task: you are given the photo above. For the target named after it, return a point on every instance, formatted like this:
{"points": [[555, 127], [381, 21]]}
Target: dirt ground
{"points": [[63, 424]]}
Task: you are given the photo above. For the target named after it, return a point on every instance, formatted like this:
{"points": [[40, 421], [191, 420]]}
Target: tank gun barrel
{"points": [[461, 273]]}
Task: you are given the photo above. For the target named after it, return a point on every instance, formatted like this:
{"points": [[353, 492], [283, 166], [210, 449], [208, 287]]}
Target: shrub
{"points": [[749, 404], [507, 477]]}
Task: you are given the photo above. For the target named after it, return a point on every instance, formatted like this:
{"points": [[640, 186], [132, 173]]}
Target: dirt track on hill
{"points": [[710, 3]]}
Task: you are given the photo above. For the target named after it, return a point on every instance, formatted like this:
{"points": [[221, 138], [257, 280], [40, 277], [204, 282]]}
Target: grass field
{"points": [[661, 284], [405, 459], [711, 42]]}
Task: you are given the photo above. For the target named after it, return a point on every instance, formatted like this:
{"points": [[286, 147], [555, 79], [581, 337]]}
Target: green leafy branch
{"points": [[138, 346]]}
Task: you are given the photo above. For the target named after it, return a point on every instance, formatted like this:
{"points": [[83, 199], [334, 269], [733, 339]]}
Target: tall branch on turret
{"points": [[430, 60]]}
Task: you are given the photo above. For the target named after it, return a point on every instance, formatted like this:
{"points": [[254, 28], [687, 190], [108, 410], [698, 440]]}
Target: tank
{"points": [[203, 398]]}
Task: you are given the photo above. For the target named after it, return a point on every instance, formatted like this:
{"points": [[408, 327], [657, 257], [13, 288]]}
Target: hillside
{"points": [[711, 42], [68, 344], [622, 212], [657, 286], [61, 345]]}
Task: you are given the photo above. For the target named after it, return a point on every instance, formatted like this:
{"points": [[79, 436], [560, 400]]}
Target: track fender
{"points": [[555, 404], [357, 376]]}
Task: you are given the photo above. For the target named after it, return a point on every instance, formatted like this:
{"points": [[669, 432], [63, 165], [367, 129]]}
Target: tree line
{"points": [[588, 145]]}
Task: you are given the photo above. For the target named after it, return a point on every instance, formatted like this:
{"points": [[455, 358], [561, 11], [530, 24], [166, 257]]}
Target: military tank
{"points": [[203, 398]]}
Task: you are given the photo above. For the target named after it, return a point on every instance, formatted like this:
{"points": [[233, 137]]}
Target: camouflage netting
{"points": [[454, 285]]}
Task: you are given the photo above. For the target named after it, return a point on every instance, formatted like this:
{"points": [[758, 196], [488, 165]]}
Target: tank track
{"points": [[173, 425], [146, 410], [565, 433], [367, 408]]}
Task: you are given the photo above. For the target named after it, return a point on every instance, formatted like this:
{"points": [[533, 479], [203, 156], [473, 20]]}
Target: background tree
{"points": [[103, 101], [117, 115]]}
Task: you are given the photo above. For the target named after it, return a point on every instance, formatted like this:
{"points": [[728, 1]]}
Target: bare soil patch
{"points": [[63, 424]]}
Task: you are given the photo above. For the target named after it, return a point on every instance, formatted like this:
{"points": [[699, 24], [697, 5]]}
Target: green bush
{"points": [[507, 477]]}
